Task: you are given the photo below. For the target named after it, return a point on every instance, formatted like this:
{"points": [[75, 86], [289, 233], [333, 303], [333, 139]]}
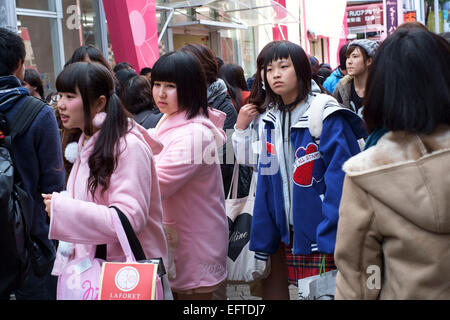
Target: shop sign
{"points": [[409, 16], [391, 16], [363, 15]]}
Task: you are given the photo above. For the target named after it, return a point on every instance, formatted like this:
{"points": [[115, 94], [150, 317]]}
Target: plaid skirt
{"points": [[302, 266]]}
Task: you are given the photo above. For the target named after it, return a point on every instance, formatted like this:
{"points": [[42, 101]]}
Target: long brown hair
{"points": [[94, 80]]}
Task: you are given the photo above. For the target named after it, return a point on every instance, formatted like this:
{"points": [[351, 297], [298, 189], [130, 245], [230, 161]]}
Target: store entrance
{"points": [[179, 40]]}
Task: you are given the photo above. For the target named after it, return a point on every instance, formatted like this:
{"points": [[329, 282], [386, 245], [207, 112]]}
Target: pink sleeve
{"points": [[86, 222]]}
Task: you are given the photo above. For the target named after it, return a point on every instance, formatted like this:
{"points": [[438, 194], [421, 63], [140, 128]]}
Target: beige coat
{"points": [[395, 218]]}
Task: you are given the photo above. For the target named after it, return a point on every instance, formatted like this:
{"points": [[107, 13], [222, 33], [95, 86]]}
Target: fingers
{"points": [[249, 107], [47, 202], [249, 110], [48, 205]]}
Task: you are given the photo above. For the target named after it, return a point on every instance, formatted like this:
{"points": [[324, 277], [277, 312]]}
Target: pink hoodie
{"points": [[193, 198], [133, 189]]}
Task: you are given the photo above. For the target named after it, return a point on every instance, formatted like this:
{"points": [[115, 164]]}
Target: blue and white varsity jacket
{"points": [[316, 182]]}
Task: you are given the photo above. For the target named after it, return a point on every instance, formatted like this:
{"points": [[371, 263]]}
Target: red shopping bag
{"points": [[128, 281]]}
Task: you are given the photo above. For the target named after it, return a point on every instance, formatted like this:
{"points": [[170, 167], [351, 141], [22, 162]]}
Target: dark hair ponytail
{"points": [[103, 159], [93, 81]]}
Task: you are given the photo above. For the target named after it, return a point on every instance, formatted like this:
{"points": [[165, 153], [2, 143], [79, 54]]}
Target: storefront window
{"points": [[227, 46], [248, 52], [44, 5], [238, 46], [112, 60], [46, 41], [40, 38], [79, 25]]}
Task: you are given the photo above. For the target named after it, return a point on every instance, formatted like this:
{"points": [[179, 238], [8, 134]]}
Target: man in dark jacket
{"points": [[37, 155]]}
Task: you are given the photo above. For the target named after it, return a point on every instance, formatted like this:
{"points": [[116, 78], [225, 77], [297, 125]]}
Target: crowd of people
{"points": [[351, 164]]}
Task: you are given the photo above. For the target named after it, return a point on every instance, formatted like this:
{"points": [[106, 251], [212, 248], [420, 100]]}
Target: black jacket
{"points": [[223, 103], [148, 118]]}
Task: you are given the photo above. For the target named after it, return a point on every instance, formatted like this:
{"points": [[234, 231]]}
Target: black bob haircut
{"points": [[12, 51], [186, 72], [302, 66], [407, 88]]}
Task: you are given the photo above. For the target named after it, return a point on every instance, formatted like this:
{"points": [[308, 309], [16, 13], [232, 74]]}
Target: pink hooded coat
{"points": [[133, 189], [193, 199]]}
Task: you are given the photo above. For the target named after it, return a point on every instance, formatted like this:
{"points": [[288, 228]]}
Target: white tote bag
{"points": [[242, 266]]}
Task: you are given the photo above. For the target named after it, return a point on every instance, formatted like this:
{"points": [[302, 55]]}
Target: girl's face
{"points": [[282, 79], [71, 110], [356, 64], [165, 96]]}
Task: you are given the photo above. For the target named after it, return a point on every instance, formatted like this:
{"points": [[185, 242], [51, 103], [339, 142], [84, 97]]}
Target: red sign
{"points": [[363, 15], [128, 281], [409, 16]]}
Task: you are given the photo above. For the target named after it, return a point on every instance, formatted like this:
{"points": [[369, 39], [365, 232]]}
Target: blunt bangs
{"points": [[186, 72], [71, 76], [165, 69], [76, 76], [302, 66], [277, 52]]}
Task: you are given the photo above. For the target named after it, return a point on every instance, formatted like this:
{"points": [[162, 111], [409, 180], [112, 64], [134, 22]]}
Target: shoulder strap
{"points": [[133, 240], [25, 116]]}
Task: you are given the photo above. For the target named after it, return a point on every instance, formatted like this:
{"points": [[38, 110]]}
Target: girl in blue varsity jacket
{"points": [[305, 140]]}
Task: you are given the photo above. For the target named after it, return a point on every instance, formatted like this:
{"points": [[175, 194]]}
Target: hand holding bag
{"points": [[242, 266], [131, 280]]}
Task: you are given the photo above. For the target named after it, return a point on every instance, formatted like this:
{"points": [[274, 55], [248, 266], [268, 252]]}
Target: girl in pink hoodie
{"points": [[190, 178], [114, 167]]}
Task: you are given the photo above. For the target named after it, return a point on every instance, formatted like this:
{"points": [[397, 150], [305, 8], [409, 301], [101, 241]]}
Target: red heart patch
{"points": [[304, 164]]}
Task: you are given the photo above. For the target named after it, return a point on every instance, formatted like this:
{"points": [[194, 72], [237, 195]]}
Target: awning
{"points": [[228, 14]]}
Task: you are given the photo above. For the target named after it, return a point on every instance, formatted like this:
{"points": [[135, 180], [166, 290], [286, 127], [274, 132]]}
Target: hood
{"points": [[315, 87], [10, 91], [409, 174], [215, 90], [214, 123], [140, 132], [148, 137]]}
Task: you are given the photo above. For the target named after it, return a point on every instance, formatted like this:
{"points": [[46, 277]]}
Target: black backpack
{"points": [[16, 245]]}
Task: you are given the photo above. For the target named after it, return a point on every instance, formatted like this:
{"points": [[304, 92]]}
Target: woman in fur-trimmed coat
{"points": [[393, 238]]}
